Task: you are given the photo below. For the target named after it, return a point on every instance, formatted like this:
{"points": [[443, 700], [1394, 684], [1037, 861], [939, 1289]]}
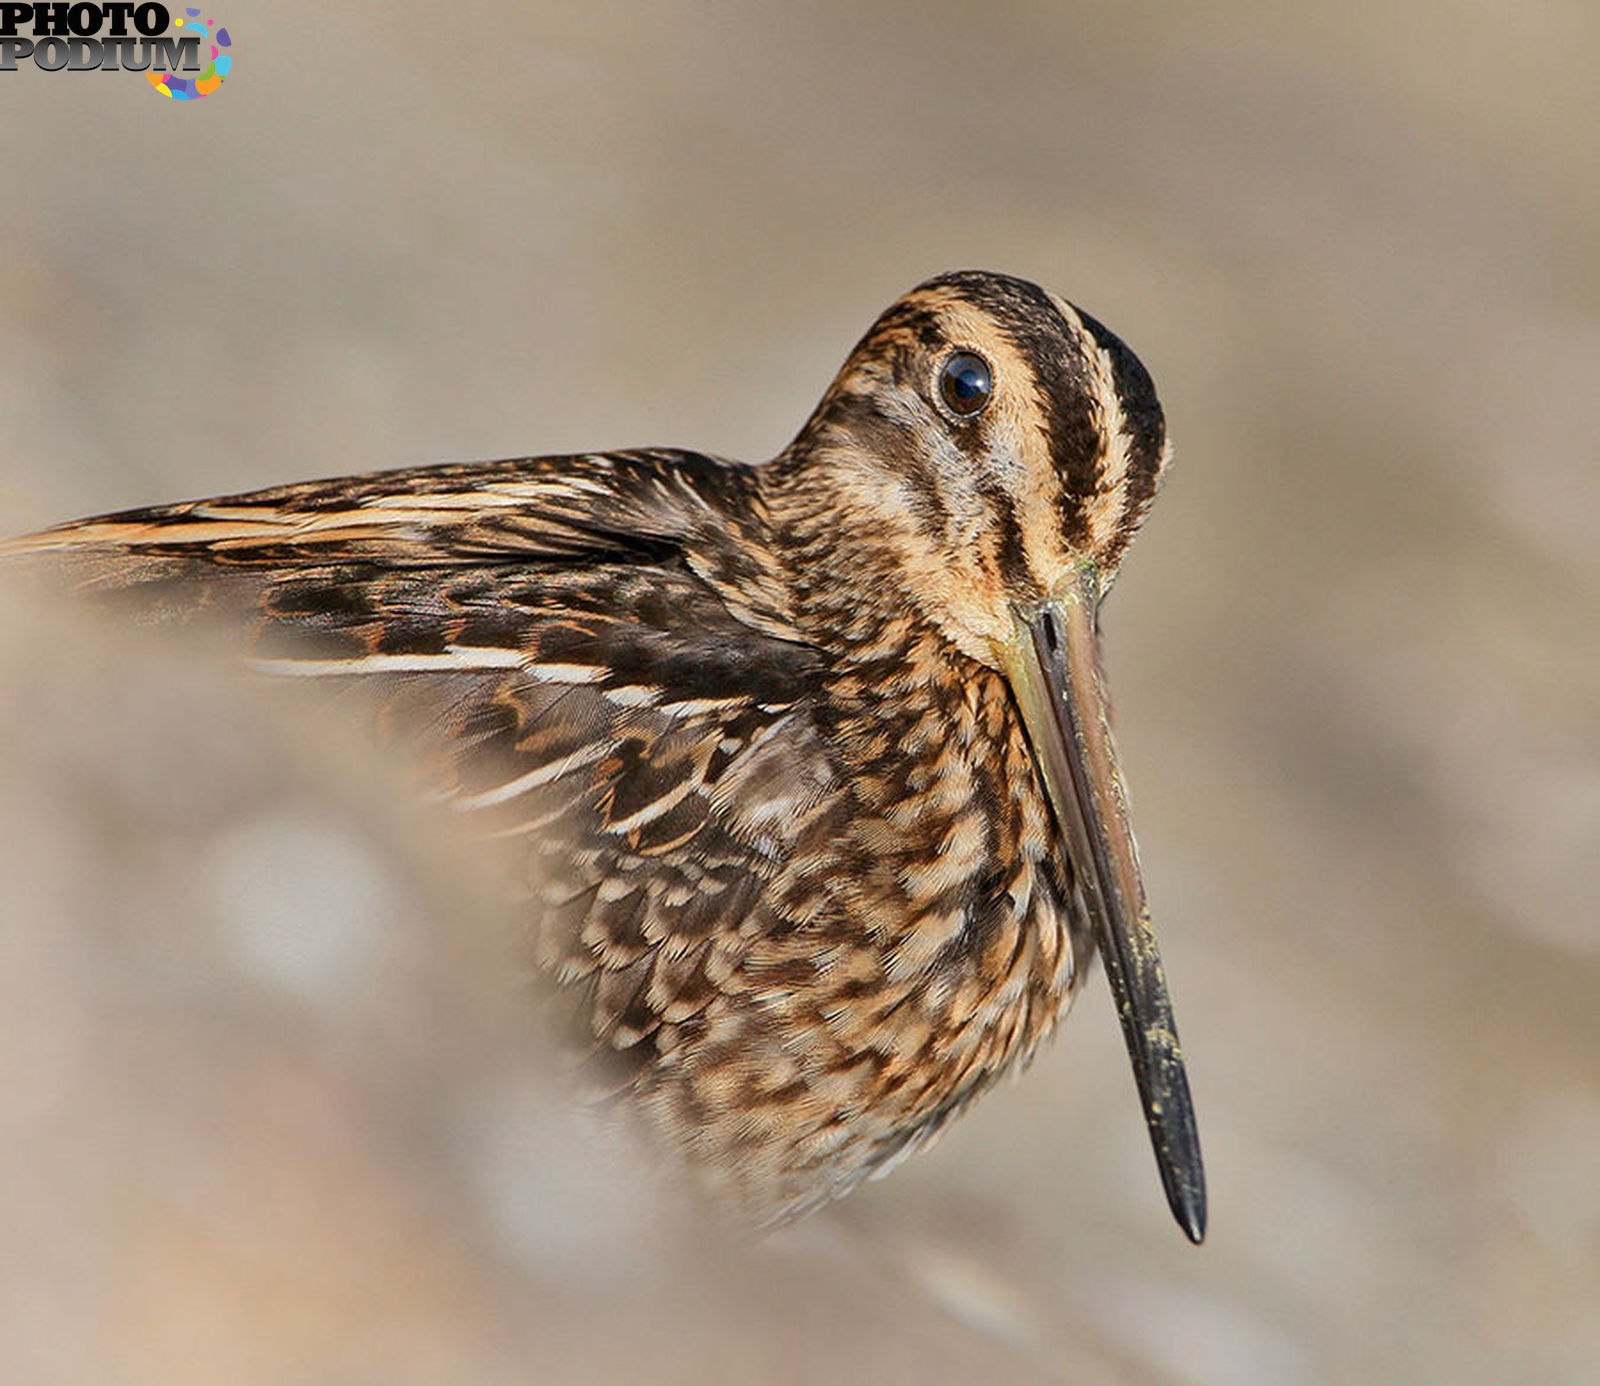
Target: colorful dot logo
{"points": [[216, 71]]}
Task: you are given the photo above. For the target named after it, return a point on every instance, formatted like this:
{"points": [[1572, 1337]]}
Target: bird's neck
{"points": [[930, 736], [864, 578]]}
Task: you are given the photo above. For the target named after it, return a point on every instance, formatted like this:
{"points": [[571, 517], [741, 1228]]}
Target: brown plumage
{"points": [[809, 759]]}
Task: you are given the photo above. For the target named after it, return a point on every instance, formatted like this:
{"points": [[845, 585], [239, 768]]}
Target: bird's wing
{"points": [[599, 664], [638, 507]]}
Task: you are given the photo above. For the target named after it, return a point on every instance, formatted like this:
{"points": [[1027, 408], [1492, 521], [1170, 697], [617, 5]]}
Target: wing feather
{"points": [[597, 658]]}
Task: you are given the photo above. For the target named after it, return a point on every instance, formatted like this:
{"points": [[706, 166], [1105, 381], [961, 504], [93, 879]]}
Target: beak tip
{"points": [[1179, 1160], [1191, 1214]]}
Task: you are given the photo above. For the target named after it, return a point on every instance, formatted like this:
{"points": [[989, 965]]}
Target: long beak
{"points": [[1054, 666]]}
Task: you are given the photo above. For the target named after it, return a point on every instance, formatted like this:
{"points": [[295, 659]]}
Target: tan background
{"points": [[266, 1114]]}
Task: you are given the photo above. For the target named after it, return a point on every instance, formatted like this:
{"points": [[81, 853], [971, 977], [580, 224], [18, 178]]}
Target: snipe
{"points": [[811, 758]]}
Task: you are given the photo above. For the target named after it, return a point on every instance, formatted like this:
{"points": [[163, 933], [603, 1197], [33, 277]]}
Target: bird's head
{"points": [[992, 443], [984, 457]]}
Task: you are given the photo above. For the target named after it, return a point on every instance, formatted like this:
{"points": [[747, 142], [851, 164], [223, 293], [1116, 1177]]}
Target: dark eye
{"points": [[965, 382]]}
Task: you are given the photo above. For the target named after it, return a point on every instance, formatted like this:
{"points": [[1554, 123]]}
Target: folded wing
{"points": [[594, 664]]}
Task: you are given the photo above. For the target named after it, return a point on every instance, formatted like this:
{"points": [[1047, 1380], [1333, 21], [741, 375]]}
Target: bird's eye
{"points": [[965, 382]]}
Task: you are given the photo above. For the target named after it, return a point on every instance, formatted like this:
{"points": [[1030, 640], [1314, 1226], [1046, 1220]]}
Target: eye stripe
{"points": [[1142, 426], [1074, 447], [1011, 555]]}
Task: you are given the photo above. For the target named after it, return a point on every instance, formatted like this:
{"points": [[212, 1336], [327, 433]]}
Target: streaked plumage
{"points": [[791, 843]]}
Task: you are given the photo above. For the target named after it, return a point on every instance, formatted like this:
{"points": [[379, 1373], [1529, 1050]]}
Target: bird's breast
{"points": [[931, 947]]}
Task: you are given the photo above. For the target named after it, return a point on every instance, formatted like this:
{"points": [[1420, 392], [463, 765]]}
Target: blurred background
{"points": [[270, 1112]]}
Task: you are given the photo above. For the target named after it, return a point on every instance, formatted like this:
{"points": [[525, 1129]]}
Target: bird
{"points": [[807, 764]]}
